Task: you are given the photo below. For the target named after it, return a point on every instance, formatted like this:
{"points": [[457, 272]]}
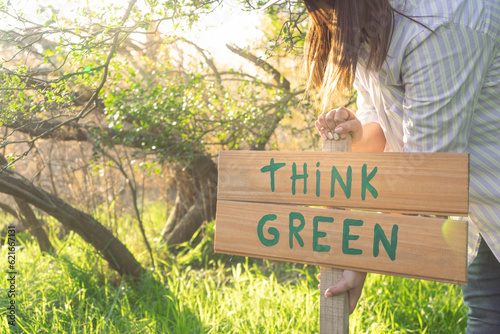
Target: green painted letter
{"points": [[272, 231], [294, 230], [379, 235], [294, 177], [319, 234], [272, 167], [318, 180], [346, 237], [365, 182], [346, 187]]}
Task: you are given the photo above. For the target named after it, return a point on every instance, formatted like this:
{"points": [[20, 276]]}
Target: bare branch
{"points": [[280, 80], [209, 60], [113, 250]]}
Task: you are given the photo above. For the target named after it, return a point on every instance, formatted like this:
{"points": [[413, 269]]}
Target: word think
{"points": [[335, 177]]}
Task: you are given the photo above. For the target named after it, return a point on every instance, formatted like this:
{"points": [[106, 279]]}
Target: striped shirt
{"points": [[440, 92]]}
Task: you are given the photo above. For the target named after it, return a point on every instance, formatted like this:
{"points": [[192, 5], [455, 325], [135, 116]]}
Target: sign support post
{"points": [[334, 311]]}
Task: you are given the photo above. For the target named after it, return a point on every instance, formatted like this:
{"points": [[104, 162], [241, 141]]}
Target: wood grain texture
{"points": [[427, 248], [261, 213], [334, 311], [426, 183]]}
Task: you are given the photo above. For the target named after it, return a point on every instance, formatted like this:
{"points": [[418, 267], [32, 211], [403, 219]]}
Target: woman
{"points": [[427, 74]]}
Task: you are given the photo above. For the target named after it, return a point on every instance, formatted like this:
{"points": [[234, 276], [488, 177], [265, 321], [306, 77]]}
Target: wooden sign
{"points": [[428, 183], [419, 247], [255, 215]]}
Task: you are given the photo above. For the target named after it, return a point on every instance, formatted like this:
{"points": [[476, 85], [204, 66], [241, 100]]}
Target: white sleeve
{"points": [[366, 112]]}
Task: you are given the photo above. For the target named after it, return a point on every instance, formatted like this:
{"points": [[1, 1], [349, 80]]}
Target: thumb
{"points": [[337, 289]]}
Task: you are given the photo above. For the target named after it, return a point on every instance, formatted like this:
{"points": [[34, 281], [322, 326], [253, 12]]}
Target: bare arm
{"points": [[373, 139]]}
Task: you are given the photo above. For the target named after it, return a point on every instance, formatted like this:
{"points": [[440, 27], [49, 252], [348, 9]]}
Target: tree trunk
{"points": [[114, 252], [29, 220], [33, 226], [195, 201], [8, 209], [191, 221]]}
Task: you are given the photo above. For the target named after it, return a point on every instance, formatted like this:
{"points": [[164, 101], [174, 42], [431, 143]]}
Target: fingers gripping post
{"points": [[334, 311]]}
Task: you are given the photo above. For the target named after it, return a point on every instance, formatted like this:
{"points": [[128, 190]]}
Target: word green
{"points": [[346, 185], [297, 222]]}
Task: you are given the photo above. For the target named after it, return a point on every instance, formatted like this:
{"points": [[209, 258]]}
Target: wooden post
{"points": [[334, 311]]}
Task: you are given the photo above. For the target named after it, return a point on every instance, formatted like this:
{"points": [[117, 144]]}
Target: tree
{"points": [[114, 252], [49, 63], [96, 79]]}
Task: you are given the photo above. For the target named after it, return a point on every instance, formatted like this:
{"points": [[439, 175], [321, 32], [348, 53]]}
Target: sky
{"points": [[229, 24]]}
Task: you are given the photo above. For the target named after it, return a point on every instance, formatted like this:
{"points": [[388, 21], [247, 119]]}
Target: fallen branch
{"points": [[111, 248]]}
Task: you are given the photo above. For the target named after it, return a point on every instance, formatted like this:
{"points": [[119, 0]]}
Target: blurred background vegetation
{"points": [[111, 117], [113, 104]]}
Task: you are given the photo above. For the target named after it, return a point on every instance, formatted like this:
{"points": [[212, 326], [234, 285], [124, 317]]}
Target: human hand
{"points": [[336, 123], [352, 282]]}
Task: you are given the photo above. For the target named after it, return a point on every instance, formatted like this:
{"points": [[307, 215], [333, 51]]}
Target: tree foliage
{"points": [[123, 75]]}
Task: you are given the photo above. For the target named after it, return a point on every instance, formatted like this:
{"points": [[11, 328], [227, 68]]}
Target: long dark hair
{"points": [[337, 30]]}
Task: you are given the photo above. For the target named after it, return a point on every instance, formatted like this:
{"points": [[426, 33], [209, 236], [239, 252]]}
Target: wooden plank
{"points": [[427, 248], [429, 183], [334, 311]]}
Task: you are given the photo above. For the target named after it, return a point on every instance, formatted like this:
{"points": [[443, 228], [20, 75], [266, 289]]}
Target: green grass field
{"points": [[196, 291]]}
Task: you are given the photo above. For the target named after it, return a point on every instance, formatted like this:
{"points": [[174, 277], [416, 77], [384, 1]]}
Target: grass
{"points": [[196, 291]]}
